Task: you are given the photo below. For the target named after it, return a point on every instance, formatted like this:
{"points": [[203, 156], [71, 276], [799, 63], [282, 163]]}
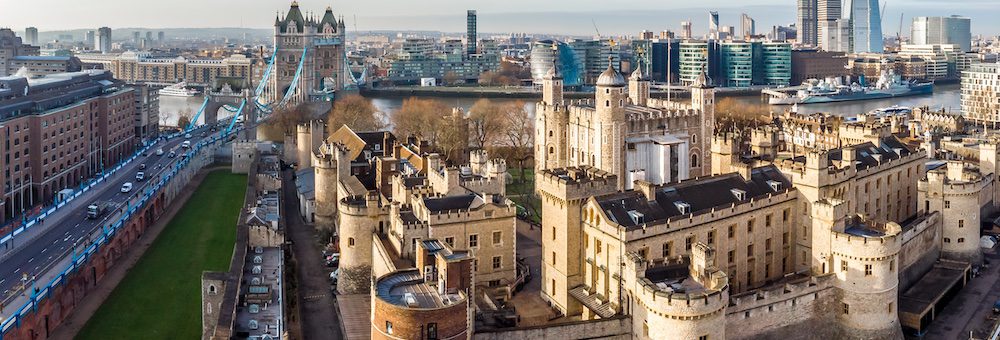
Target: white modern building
{"points": [[942, 30]]}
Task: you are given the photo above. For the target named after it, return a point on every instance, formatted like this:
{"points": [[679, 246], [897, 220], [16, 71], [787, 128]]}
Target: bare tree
{"points": [[486, 123], [434, 122], [731, 114], [450, 78], [518, 133], [488, 78], [184, 118], [355, 111]]}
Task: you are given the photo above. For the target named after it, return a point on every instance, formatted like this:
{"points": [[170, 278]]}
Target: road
{"points": [[35, 251], [317, 304]]}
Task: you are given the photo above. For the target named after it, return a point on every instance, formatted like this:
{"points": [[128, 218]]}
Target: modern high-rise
{"points": [[470, 32], [103, 42], [866, 26], [136, 38], [748, 27], [807, 22], [31, 35], [942, 30], [827, 14], [980, 95], [686, 30], [159, 38], [713, 25], [89, 39]]}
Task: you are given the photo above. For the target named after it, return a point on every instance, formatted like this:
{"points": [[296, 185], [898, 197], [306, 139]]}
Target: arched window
{"points": [[694, 139], [947, 240], [550, 133], [621, 102], [607, 103], [211, 289], [552, 150], [694, 160]]}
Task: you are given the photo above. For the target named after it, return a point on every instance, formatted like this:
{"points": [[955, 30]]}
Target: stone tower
{"points": [[552, 87], [864, 257], [326, 181], [703, 100], [321, 40], [359, 217], [957, 192], [564, 192], [725, 152], [610, 130], [638, 87], [550, 125]]}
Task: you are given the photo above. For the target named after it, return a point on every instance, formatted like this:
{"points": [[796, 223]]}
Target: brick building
{"points": [[60, 130], [808, 64]]}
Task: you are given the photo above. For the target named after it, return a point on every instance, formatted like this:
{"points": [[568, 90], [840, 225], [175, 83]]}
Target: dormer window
{"points": [[637, 217], [739, 194], [683, 207], [775, 185]]}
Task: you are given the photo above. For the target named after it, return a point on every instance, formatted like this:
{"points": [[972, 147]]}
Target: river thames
{"points": [[944, 96]]}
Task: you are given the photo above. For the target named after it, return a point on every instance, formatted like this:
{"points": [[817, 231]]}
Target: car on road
{"points": [[140, 176], [172, 154], [187, 135], [159, 152], [126, 187], [186, 144], [142, 166], [97, 209]]}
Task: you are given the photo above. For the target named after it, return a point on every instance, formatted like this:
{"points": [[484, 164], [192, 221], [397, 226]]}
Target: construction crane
{"points": [[899, 34], [595, 28]]}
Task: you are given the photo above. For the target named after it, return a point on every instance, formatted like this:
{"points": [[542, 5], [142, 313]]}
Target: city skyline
{"points": [[444, 16]]}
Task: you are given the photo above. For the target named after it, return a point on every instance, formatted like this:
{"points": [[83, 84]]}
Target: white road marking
{"points": [[44, 249], [31, 259]]}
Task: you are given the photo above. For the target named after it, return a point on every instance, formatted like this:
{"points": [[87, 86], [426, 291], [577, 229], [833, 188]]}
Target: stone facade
{"points": [[964, 196], [625, 132]]}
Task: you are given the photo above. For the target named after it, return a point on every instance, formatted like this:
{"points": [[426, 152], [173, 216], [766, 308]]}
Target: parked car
{"points": [[333, 260], [126, 187], [333, 276]]}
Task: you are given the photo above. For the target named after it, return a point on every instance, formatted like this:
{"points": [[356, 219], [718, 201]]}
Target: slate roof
{"points": [[700, 194]]}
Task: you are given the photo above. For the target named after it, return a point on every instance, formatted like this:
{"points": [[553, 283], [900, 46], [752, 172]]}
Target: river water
{"points": [[944, 96]]}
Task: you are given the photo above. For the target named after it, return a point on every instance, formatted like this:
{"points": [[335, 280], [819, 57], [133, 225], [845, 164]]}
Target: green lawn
{"points": [[160, 298], [522, 191]]}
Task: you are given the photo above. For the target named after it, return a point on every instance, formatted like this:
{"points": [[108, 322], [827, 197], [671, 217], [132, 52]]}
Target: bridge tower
{"points": [[323, 67]]}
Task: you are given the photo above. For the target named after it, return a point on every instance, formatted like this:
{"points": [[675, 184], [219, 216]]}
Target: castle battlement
{"points": [[780, 293], [576, 182], [362, 205], [668, 289], [867, 244]]}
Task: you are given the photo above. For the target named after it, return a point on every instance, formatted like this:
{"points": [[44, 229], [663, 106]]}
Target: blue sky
{"points": [[555, 16]]}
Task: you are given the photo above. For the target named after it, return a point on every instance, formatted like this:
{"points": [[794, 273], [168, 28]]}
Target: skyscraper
{"points": [[807, 22], [866, 26], [713, 25], [136, 37], [748, 27], [159, 38], [470, 33], [89, 39], [827, 14], [103, 42], [942, 30], [31, 35], [685, 29]]}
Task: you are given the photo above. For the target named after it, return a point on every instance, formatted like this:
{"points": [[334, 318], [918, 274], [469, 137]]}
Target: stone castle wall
{"points": [[785, 311]]}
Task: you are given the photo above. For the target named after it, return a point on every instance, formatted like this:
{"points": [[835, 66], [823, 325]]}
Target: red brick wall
{"points": [[408, 323], [53, 309]]}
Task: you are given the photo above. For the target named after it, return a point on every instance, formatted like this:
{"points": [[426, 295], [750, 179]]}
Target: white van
{"points": [[186, 144]]}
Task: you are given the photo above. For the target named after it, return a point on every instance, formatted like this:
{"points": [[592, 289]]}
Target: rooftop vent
{"points": [[683, 207], [637, 217], [739, 194], [775, 185]]}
